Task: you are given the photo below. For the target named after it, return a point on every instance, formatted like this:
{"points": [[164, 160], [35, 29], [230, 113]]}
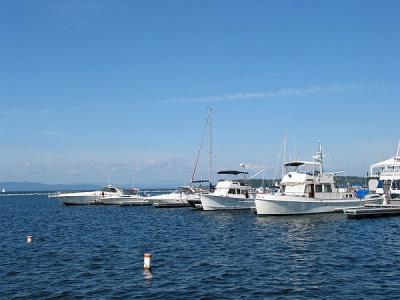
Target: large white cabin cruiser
{"points": [[83, 198], [178, 198], [229, 194], [306, 191], [386, 174]]}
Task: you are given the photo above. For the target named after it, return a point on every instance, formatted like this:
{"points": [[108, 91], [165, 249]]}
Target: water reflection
{"points": [[148, 275]]}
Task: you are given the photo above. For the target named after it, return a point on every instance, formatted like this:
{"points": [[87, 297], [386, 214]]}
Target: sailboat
{"points": [[203, 186], [187, 195], [3, 190]]}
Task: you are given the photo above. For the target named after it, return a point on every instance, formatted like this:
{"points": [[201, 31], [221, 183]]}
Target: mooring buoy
{"points": [[147, 261]]}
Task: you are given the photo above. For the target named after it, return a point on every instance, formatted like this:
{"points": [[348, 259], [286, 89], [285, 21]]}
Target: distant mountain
{"points": [[11, 186]]}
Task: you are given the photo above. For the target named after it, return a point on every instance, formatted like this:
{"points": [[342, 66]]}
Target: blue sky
{"points": [[90, 88]]}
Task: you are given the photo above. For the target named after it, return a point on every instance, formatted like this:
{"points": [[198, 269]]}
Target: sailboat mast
{"points": [[211, 140], [201, 146]]}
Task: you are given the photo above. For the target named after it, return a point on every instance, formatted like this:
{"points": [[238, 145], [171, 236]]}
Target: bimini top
{"points": [[299, 163], [200, 181], [394, 161], [231, 172]]}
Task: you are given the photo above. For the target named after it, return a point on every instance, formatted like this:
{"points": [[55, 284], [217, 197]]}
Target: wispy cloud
{"points": [[282, 93], [50, 132], [24, 112]]}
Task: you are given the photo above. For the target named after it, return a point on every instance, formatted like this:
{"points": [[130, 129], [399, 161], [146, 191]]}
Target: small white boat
{"points": [[178, 198], [84, 198], [118, 199], [3, 190], [307, 191], [229, 194]]}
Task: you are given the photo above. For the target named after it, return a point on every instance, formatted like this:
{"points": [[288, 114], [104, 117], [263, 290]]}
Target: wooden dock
{"points": [[372, 211]]}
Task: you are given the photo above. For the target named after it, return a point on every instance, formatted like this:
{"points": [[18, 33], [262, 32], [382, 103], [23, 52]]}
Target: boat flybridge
{"points": [[386, 174], [306, 189], [229, 194], [83, 198]]}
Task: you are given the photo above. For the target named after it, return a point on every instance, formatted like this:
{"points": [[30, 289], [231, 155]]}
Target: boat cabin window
{"points": [[283, 188], [396, 184], [109, 190], [318, 188], [327, 188], [232, 191]]}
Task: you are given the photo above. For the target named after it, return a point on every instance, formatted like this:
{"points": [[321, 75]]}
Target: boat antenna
{"points": [[284, 154], [277, 163], [294, 147], [201, 145], [318, 157], [243, 165], [321, 155]]}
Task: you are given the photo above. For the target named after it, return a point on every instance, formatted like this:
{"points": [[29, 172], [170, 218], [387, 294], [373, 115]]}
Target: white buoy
{"points": [[147, 261], [29, 239]]}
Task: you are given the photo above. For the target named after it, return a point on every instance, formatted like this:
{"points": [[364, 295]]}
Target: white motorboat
{"points": [[386, 177], [131, 196], [229, 194], [307, 191], [84, 198], [200, 189], [178, 198]]}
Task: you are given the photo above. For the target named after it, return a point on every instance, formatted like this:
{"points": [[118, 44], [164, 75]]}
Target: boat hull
{"points": [[292, 205], [195, 203], [78, 200], [117, 200], [214, 202], [172, 200]]}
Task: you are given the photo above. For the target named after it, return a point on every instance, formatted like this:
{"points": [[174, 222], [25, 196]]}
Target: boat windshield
{"points": [[184, 189], [109, 189]]}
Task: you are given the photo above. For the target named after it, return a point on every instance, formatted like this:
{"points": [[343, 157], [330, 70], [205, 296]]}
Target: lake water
{"points": [[97, 252]]}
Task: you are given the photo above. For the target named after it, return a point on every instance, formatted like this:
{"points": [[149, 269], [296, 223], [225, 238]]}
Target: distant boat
{"points": [[229, 194], [3, 190], [178, 198], [81, 198]]}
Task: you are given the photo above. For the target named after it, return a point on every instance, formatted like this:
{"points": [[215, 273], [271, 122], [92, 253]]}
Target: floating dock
{"points": [[135, 203], [170, 205], [372, 211]]}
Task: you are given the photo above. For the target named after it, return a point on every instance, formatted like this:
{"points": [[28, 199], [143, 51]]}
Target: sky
{"points": [[120, 89]]}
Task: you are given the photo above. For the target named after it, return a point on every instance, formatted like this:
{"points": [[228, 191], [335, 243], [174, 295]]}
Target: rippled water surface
{"points": [[97, 252]]}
